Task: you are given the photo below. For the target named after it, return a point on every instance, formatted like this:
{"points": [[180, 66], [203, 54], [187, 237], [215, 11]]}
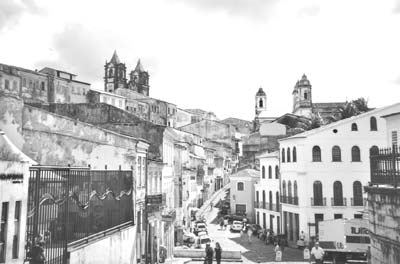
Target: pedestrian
{"points": [[225, 223], [318, 253], [209, 253], [278, 252], [243, 232], [302, 236], [211, 205], [218, 252], [36, 254], [249, 233]]}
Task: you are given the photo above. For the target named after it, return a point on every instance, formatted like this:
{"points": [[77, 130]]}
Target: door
{"points": [[318, 218], [240, 209]]}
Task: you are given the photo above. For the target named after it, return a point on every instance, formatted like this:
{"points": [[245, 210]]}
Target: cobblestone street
{"points": [[254, 252]]}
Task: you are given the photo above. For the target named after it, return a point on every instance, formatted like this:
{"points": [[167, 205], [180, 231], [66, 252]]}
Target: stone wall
{"points": [[384, 220]]}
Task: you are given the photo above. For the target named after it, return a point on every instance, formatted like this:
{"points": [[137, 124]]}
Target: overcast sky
{"points": [[215, 54]]}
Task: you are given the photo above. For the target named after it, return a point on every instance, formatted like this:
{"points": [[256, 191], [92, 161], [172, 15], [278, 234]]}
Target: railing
{"points": [[66, 204], [318, 202], [358, 202], [290, 200], [338, 202], [267, 206], [385, 166]]}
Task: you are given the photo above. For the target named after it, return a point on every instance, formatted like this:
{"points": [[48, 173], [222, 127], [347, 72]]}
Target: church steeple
{"points": [[139, 80], [115, 74], [261, 101], [302, 99]]}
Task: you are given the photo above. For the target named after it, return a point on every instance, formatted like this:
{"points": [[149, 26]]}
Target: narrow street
{"points": [[254, 252]]}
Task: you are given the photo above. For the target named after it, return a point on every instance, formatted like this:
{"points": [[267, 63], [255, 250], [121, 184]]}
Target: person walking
{"points": [[36, 254], [225, 223], [318, 253], [249, 234], [209, 253], [278, 252], [218, 252]]}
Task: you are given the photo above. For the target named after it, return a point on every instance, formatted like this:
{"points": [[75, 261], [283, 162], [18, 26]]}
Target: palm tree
{"points": [[361, 105]]}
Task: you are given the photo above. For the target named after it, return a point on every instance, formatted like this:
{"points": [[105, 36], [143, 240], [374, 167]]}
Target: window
{"points": [[338, 216], [283, 155], [295, 189], [240, 186], [17, 222], [317, 188], [270, 172], [336, 154], [394, 138], [257, 197], [284, 188], [294, 154], [305, 96], [354, 127], [277, 201], [6, 84], [263, 172], [15, 85], [289, 187], [337, 193], [355, 154], [357, 194], [139, 170], [110, 72], [373, 125], [358, 216], [3, 231], [261, 103], [288, 154], [42, 86], [258, 218], [263, 194], [270, 200], [316, 154], [24, 82], [276, 172]]}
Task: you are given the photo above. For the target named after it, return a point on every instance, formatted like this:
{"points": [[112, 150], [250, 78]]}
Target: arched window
{"points": [[373, 125], [354, 127], [240, 186], [6, 84], [289, 187], [261, 103], [270, 172], [288, 154], [336, 154], [374, 150], [270, 200], [257, 197], [316, 154], [357, 194], [305, 95], [295, 189], [337, 193], [317, 188], [276, 172], [277, 201], [294, 154], [355, 154], [263, 194], [283, 155], [263, 172], [284, 188], [110, 72]]}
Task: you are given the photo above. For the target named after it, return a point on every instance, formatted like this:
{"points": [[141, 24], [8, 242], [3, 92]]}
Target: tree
{"points": [[361, 105]]}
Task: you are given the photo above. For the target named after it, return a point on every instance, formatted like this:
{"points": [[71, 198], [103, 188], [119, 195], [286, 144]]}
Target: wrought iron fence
{"points": [[385, 166], [66, 204]]}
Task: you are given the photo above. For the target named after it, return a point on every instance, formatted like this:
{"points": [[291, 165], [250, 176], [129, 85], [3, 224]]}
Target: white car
{"points": [[200, 227], [236, 226]]}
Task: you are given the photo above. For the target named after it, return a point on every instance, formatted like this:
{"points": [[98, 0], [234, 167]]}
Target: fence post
{"points": [[67, 214], [36, 206], [88, 201]]}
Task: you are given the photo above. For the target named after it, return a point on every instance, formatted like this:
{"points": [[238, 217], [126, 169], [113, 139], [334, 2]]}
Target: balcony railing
{"points": [[385, 166], [290, 200], [318, 202], [338, 202], [358, 202], [267, 206]]}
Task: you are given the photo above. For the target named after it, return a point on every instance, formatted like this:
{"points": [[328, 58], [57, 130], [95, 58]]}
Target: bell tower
{"points": [[302, 99], [114, 74], [261, 102], [139, 80]]}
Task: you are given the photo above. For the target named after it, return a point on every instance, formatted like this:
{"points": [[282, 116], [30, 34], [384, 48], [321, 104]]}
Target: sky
{"points": [[215, 54]]}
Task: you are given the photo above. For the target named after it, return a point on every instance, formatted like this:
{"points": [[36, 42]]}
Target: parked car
{"points": [[188, 238], [200, 227], [236, 226], [233, 217]]}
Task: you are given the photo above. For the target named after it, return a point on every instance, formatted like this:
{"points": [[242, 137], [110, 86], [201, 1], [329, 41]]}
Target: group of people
{"points": [[246, 230], [210, 252], [223, 223]]}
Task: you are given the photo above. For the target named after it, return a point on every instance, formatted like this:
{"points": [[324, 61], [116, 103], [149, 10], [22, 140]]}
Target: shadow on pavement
{"points": [[257, 251]]}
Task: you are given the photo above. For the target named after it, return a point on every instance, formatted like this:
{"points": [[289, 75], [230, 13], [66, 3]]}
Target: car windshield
{"points": [[237, 222], [201, 226], [204, 240]]}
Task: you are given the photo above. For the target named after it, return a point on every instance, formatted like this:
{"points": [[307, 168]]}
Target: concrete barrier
{"points": [[196, 254]]}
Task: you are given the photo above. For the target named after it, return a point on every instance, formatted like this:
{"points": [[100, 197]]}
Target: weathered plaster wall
{"points": [[118, 248], [384, 219], [212, 130], [11, 118]]}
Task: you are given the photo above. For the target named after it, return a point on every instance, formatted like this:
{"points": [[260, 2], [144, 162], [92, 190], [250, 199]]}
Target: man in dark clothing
{"points": [[209, 254]]}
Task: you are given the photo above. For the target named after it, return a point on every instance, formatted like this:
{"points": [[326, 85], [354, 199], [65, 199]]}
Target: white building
{"points": [[267, 196], [323, 170]]}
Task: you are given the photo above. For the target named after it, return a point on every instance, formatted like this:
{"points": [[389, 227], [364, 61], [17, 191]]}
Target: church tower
{"points": [[302, 99], [114, 74], [139, 80], [261, 102]]}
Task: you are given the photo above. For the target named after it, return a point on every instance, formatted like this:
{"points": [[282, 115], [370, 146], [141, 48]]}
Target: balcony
{"points": [[358, 202], [267, 206], [318, 202], [385, 166], [290, 200], [338, 202]]}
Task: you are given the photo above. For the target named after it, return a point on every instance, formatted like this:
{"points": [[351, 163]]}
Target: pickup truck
{"points": [[344, 239]]}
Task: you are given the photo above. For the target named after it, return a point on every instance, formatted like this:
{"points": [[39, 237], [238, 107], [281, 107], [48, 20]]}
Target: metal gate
{"points": [[66, 204]]}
